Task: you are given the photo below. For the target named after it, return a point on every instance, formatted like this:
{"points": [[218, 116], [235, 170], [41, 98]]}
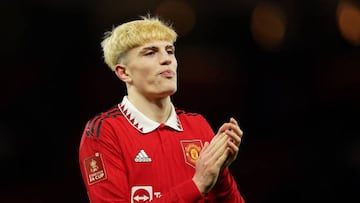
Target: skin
{"points": [[217, 155], [149, 72]]}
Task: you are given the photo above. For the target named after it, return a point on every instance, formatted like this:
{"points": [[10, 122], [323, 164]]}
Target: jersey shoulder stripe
{"points": [[93, 126]]}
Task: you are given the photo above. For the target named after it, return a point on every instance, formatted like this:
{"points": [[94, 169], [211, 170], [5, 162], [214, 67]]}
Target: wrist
{"points": [[204, 187], [199, 186]]}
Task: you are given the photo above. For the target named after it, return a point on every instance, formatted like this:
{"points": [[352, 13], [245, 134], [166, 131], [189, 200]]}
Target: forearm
{"points": [[185, 192], [225, 190]]}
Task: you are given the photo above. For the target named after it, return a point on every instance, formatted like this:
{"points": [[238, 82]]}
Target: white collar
{"points": [[144, 124]]}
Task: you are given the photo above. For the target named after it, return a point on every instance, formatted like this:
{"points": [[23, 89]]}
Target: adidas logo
{"points": [[142, 157]]}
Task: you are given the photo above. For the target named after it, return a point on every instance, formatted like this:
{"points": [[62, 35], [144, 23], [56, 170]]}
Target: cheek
{"points": [[141, 75], [175, 63], [141, 69]]}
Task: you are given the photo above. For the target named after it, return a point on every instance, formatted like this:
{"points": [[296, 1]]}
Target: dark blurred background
{"points": [[288, 70]]}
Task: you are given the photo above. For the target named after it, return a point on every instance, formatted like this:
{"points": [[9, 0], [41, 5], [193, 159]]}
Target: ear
{"points": [[122, 73]]}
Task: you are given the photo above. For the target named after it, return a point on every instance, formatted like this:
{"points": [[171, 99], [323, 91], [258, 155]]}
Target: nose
{"points": [[165, 58]]}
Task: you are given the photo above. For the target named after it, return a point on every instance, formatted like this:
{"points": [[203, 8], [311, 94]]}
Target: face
{"points": [[151, 70]]}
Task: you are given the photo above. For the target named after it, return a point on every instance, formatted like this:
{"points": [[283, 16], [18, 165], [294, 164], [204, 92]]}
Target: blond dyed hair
{"points": [[132, 34]]}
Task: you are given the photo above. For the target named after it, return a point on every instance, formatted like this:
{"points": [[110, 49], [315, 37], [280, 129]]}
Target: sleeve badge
{"points": [[94, 168]]}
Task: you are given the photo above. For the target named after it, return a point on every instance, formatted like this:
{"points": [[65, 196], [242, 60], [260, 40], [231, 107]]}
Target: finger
{"points": [[219, 144], [217, 148], [224, 127], [230, 158], [211, 153], [234, 148], [214, 144], [233, 120], [216, 137], [221, 161], [234, 127], [206, 144], [233, 136]]}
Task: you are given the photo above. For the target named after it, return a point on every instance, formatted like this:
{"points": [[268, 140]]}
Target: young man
{"points": [[144, 149]]}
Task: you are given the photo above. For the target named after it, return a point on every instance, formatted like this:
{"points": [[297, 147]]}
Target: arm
{"points": [[225, 190], [112, 185]]}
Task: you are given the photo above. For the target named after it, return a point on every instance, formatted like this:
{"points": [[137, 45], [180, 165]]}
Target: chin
{"points": [[168, 92], [171, 92]]}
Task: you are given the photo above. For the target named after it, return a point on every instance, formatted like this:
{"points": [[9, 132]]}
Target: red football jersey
{"points": [[126, 157]]}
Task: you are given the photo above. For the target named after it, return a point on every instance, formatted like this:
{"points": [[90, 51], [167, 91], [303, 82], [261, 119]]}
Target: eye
{"points": [[170, 51], [149, 53]]}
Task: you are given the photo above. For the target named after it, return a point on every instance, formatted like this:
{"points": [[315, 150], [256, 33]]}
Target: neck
{"points": [[158, 109]]}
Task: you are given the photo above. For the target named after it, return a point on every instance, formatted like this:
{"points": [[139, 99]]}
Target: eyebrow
{"points": [[155, 48]]}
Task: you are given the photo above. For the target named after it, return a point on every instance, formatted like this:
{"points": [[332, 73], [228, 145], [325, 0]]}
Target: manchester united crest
{"points": [[191, 149]]}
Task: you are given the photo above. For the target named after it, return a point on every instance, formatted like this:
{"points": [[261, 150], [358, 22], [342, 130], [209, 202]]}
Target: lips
{"points": [[168, 73]]}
